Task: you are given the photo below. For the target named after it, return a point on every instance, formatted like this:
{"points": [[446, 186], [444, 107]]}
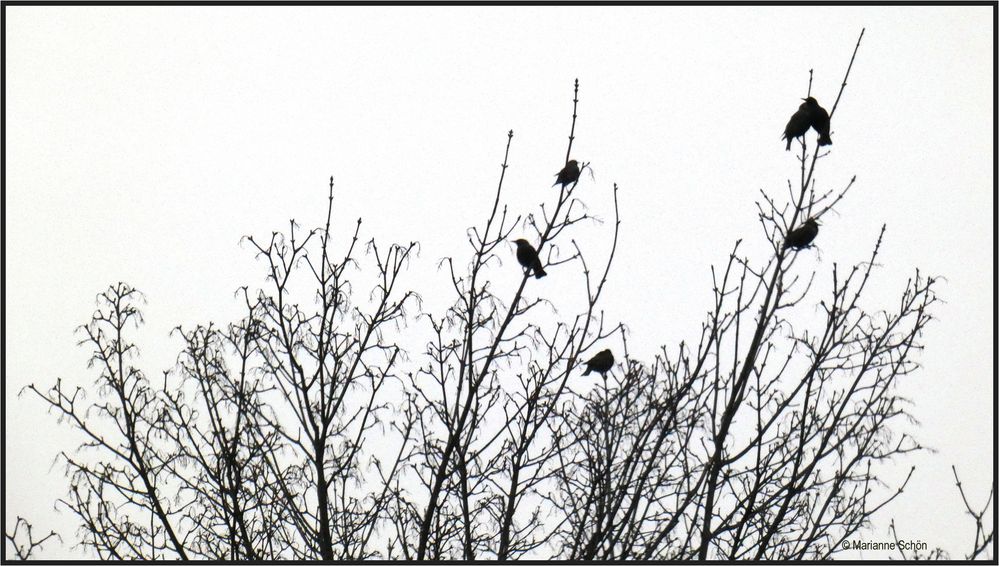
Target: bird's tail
{"points": [[587, 372], [539, 271], [825, 140], [788, 144]]}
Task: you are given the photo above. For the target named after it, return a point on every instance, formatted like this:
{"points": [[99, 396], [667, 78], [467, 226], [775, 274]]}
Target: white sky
{"points": [[142, 142]]}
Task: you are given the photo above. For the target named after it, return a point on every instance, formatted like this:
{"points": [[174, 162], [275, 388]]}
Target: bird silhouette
{"points": [[798, 125], [809, 115], [568, 174], [802, 236], [600, 363], [820, 120], [528, 257]]}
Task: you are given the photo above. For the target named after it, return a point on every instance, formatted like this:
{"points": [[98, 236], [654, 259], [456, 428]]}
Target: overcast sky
{"points": [[143, 142]]}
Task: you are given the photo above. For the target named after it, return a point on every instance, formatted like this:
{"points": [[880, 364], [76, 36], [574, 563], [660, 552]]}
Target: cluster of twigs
{"points": [[23, 541]]}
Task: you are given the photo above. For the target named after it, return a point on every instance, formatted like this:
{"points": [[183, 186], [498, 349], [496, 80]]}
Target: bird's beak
{"points": [[804, 99]]}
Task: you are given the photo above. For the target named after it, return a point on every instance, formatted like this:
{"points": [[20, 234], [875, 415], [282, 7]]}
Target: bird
{"points": [[802, 236], [820, 120], [600, 363], [799, 123], [568, 174], [528, 257]]}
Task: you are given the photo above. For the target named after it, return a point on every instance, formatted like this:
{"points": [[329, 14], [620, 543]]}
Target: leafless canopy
{"points": [[310, 429]]}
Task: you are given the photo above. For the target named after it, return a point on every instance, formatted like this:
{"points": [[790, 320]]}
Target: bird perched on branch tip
{"points": [[802, 236], [528, 257], [569, 174], [600, 363], [809, 115]]}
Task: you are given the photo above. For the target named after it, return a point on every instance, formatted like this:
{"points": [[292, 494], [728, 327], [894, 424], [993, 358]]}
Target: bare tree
{"points": [[254, 446], [310, 432], [763, 442], [497, 375]]}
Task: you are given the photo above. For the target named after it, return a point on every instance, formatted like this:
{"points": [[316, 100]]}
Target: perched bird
{"points": [[802, 236], [601, 363], [528, 257], [568, 174], [798, 125], [820, 120]]}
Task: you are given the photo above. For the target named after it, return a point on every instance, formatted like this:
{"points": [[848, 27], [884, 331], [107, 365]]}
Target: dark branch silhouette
{"points": [[23, 542]]}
